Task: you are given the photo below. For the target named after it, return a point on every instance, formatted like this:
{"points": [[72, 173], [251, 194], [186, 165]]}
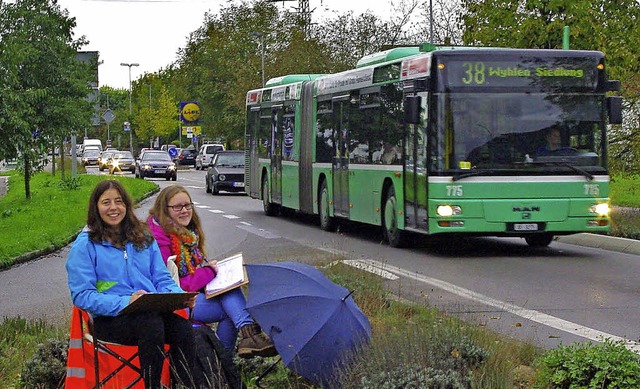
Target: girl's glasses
{"points": [[178, 208]]}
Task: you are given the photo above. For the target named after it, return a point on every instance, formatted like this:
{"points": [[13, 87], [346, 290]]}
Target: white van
{"points": [[206, 153], [92, 143]]}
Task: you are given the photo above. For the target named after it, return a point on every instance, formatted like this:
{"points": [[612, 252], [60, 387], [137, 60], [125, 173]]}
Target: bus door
{"points": [[276, 154], [340, 162], [415, 167], [252, 155]]}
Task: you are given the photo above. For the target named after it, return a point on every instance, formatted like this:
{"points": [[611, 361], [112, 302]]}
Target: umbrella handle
{"points": [[347, 296], [266, 371]]}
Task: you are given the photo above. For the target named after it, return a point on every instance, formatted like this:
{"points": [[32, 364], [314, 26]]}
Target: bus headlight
{"points": [[448, 210], [601, 209]]}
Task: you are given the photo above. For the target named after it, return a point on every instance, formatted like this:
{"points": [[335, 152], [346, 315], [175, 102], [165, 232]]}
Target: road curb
{"points": [[611, 243]]}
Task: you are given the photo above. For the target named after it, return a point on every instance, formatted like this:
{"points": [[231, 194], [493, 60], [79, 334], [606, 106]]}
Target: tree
{"points": [[43, 85], [594, 25]]}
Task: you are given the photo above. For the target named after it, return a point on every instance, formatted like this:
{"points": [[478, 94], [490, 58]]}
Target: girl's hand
{"points": [[136, 295], [213, 265]]}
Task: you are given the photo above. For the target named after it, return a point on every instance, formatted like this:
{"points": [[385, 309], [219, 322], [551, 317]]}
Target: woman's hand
{"points": [[214, 266], [191, 303], [136, 295]]}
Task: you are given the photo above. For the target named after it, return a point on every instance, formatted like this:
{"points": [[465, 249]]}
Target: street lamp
{"points": [[130, 112], [150, 139], [261, 36]]}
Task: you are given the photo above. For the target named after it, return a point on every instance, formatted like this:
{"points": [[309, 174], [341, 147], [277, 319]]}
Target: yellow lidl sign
{"points": [[190, 111], [195, 130]]}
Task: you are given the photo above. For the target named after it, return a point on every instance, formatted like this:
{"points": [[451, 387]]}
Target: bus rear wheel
{"points": [[327, 223], [270, 209], [392, 233], [539, 240]]}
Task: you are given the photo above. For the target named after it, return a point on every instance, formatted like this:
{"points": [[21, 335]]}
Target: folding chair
{"points": [[94, 363]]}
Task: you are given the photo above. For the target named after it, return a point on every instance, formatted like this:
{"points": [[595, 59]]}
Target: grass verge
{"points": [[53, 216]]}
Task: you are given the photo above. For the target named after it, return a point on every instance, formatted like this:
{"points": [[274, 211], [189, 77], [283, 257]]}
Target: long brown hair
{"points": [[160, 211], [131, 228]]}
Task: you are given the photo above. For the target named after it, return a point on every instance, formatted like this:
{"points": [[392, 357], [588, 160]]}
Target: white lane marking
{"points": [[215, 211], [194, 186], [371, 267], [530, 314], [257, 231], [203, 206], [231, 216], [245, 223]]}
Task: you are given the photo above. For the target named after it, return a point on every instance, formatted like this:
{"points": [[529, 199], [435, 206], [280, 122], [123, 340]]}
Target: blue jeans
{"points": [[228, 310]]}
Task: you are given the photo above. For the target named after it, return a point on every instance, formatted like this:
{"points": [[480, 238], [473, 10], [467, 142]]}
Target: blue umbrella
{"points": [[312, 321]]}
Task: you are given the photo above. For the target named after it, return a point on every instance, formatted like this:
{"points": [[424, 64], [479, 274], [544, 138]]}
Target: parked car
{"points": [[121, 161], [187, 157], [226, 172], [206, 153], [90, 157], [102, 161], [156, 163]]}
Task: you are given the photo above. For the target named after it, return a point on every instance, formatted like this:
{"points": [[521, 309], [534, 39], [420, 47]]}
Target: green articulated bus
{"points": [[440, 141]]}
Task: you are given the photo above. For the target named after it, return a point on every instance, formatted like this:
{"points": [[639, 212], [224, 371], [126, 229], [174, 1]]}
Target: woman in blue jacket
{"points": [[112, 262]]}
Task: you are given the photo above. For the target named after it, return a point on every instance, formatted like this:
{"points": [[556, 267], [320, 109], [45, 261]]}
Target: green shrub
{"points": [[586, 365], [70, 183], [47, 368]]}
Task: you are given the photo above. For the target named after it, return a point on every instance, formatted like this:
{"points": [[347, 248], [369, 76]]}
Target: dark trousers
{"points": [[150, 332]]}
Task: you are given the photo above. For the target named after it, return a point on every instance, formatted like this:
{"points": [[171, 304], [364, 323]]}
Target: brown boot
{"points": [[254, 343]]}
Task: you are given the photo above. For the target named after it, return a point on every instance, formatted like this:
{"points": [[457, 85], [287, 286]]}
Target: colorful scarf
{"points": [[184, 246]]}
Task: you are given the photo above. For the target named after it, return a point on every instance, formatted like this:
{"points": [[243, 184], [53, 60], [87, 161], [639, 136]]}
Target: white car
{"points": [[206, 154]]}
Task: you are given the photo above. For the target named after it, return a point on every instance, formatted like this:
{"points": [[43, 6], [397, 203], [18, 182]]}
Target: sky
{"points": [[150, 32]]}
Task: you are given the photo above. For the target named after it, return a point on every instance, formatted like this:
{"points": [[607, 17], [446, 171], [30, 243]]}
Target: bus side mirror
{"points": [[614, 108], [412, 105], [612, 86]]}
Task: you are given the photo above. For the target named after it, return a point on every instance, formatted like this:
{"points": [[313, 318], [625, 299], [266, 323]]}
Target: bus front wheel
{"points": [[270, 209], [327, 223], [539, 240], [392, 233]]}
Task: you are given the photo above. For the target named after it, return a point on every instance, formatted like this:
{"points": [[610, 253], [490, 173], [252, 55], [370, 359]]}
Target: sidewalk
{"points": [[611, 243]]}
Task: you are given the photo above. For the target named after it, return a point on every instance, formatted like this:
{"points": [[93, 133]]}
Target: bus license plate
{"points": [[525, 227], [238, 184]]}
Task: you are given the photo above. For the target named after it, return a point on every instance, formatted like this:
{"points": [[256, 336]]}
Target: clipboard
{"points": [[157, 302], [231, 274]]}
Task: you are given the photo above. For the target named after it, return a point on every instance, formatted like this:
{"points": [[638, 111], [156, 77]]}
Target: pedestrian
{"points": [[178, 231], [113, 261]]}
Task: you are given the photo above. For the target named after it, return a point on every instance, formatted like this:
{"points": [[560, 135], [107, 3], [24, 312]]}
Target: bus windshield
{"points": [[516, 133]]}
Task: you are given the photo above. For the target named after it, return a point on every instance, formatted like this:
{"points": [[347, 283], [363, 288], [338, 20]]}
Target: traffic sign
{"points": [[127, 126], [173, 152], [108, 116]]}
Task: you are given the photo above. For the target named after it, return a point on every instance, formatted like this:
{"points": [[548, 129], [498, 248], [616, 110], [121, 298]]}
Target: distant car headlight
{"points": [[221, 177], [146, 167], [172, 166]]}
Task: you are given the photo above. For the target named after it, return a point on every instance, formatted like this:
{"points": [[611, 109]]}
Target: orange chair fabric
{"points": [[81, 360]]}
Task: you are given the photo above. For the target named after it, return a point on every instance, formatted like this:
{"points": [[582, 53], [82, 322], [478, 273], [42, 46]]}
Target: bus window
{"points": [[324, 132], [288, 133]]}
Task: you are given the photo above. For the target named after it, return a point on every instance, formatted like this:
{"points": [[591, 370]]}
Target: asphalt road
{"points": [[568, 277]]}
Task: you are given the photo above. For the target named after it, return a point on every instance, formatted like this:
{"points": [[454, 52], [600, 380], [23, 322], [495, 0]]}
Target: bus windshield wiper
{"points": [[576, 169], [475, 173]]}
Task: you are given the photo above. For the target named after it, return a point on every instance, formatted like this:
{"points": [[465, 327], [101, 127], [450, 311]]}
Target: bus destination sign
{"points": [[577, 73]]}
